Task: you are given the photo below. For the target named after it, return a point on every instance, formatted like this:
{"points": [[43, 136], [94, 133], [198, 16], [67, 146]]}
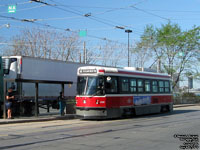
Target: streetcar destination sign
{"points": [[88, 71]]}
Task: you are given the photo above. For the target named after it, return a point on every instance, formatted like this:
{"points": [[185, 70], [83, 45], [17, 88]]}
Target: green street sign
{"points": [[82, 33], [12, 9]]}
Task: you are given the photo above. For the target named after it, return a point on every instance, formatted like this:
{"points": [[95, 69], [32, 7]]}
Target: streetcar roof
{"points": [[98, 70]]}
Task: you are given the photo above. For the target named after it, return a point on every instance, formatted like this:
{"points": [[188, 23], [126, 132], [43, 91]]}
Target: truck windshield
{"points": [[90, 86]]}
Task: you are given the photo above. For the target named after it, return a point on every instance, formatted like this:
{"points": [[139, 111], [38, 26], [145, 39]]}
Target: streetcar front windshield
{"points": [[90, 86]]}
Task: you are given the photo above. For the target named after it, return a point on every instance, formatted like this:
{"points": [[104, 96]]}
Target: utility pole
{"points": [[3, 88], [128, 31], [85, 52], [1, 82], [159, 65], [80, 57]]}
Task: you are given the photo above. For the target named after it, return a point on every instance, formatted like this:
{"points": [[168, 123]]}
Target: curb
{"points": [[68, 117], [185, 105]]}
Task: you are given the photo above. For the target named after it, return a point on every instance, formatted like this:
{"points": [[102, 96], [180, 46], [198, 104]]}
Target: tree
{"points": [[112, 54], [45, 43], [177, 49], [2, 45]]}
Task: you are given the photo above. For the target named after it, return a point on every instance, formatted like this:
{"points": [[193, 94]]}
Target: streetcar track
{"points": [[52, 140], [112, 124], [69, 136], [138, 123], [132, 126]]}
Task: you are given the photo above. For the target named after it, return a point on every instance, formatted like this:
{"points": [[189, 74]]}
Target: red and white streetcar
{"points": [[104, 92]]}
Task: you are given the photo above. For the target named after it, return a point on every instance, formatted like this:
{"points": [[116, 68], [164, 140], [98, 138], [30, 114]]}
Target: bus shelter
{"points": [[36, 82]]}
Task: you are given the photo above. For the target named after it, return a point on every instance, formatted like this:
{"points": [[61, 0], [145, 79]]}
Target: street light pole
{"points": [[128, 31]]}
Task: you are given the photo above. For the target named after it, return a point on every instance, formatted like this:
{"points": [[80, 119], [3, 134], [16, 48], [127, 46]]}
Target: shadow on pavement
{"points": [[164, 115]]}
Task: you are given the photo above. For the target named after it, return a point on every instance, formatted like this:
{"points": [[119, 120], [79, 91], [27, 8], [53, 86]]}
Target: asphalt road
{"points": [[152, 132]]}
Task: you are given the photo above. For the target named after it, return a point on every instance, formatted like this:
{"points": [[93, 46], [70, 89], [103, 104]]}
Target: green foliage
{"points": [[186, 94], [175, 48]]}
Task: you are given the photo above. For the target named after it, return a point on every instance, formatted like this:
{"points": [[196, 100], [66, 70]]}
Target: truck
{"points": [[24, 67]]}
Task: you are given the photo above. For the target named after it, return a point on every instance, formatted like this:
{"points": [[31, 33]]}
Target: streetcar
{"points": [[104, 92]]}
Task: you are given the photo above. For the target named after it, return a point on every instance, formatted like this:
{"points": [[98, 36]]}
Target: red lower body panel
{"points": [[121, 101]]}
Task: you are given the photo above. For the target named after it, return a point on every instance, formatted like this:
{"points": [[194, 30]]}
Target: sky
{"points": [[104, 16], [98, 17]]}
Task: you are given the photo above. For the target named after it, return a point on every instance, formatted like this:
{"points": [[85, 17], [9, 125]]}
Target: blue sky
{"points": [[131, 14], [105, 15]]}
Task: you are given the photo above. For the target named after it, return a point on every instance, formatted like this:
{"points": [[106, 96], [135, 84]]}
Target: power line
{"points": [[110, 9], [21, 3], [87, 15], [90, 16], [69, 30], [142, 10], [125, 8], [50, 26], [174, 11], [63, 18], [106, 21], [100, 47]]}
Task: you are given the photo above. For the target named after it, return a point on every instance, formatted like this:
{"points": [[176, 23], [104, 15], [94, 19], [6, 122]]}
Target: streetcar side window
{"points": [[133, 85], [147, 86], [111, 85], [154, 86], [167, 87], [124, 85], [140, 85], [161, 86]]}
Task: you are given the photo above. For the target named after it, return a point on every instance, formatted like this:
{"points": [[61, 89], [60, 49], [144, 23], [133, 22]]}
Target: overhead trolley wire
{"points": [[50, 26], [122, 8], [21, 3], [105, 21], [90, 16], [150, 13], [87, 15], [101, 20]]}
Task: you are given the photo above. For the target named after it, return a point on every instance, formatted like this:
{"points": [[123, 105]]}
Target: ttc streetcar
{"points": [[104, 92]]}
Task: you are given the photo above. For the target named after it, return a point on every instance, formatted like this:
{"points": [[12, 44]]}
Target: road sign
{"points": [[12, 9], [82, 33]]}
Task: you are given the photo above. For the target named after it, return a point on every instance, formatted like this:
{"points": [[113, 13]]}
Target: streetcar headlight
{"points": [[84, 101]]}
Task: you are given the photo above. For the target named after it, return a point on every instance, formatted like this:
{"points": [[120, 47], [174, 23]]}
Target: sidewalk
{"points": [[47, 117], [37, 119], [185, 105]]}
